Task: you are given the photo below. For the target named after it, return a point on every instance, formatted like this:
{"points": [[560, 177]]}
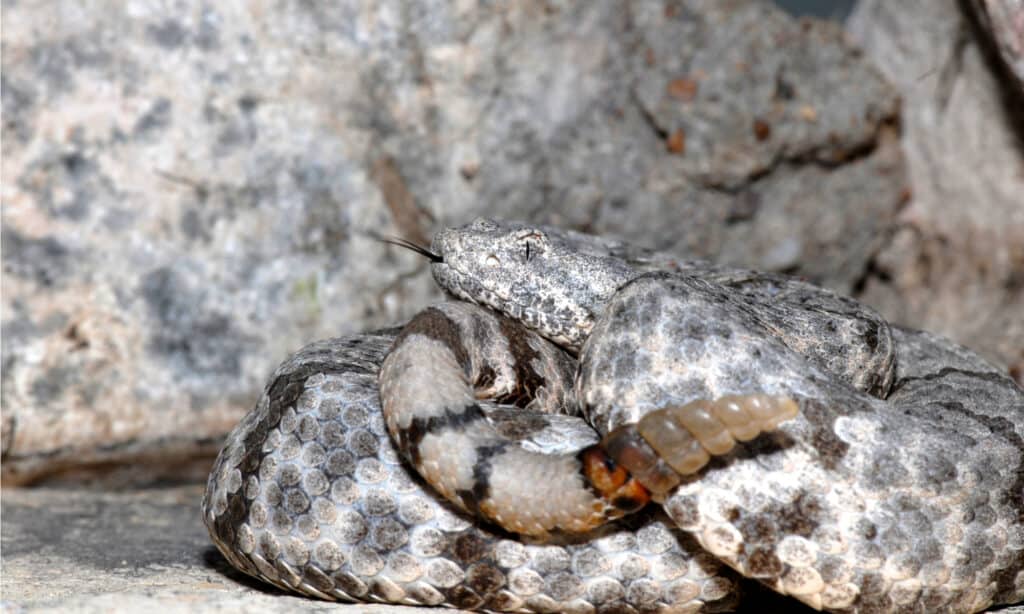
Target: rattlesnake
{"points": [[857, 503]]}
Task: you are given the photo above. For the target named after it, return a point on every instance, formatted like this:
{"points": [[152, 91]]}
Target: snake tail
{"points": [[673, 442]]}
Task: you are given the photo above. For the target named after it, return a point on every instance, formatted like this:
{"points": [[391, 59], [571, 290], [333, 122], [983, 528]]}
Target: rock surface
{"points": [[1003, 20], [190, 191], [86, 551], [955, 263]]}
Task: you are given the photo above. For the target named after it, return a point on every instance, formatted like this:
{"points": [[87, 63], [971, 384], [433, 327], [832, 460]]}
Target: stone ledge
{"points": [[147, 550]]}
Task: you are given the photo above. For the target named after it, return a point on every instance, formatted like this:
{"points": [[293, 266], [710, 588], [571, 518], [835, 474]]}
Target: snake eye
{"points": [[534, 242]]}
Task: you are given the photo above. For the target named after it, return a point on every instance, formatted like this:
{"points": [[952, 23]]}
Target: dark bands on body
{"points": [[462, 353]]}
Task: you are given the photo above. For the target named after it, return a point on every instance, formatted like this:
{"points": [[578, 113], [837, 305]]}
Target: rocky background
{"points": [[191, 191]]}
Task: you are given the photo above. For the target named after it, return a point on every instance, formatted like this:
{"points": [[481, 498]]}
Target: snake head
{"points": [[534, 274]]}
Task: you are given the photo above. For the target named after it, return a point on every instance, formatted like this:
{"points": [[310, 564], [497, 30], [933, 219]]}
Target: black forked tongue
{"points": [[409, 245]]}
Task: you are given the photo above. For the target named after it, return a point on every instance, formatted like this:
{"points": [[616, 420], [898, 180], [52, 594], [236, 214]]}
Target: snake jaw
{"points": [[566, 332]]}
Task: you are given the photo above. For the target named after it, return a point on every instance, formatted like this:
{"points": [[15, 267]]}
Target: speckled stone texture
{"points": [[955, 261], [188, 190]]}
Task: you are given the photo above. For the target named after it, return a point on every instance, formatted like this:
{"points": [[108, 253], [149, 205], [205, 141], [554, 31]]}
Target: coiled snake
{"points": [[897, 486]]}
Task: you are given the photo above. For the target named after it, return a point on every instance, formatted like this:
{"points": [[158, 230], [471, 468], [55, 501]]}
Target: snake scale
{"points": [[897, 485]]}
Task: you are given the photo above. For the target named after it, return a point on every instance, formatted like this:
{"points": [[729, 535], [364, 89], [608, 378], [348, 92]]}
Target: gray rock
{"points": [[82, 551], [955, 261], [189, 191]]}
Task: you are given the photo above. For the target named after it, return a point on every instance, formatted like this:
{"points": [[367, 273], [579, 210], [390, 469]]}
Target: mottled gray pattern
{"points": [[898, 488], [310, 495], [558, 282], [859, 503]]}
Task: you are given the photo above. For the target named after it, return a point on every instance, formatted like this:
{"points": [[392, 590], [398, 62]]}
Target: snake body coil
{"points": [[310, 495], [897, 486], [444, 360], [452, 355]]}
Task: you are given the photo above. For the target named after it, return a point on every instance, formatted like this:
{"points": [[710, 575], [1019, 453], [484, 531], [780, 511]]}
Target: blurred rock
{"points": [[955, 264], [189, 191], [1003, 20]]}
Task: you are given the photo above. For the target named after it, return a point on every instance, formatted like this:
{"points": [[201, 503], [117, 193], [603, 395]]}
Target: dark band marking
{"points": [[485, 378], [629, 504], [451, 420], [528, 381], [481, 490], [988, 376], [287, 387], [434, 324]]}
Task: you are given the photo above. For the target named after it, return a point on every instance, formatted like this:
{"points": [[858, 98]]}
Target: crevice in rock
{"points": [[1010, 88]]}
